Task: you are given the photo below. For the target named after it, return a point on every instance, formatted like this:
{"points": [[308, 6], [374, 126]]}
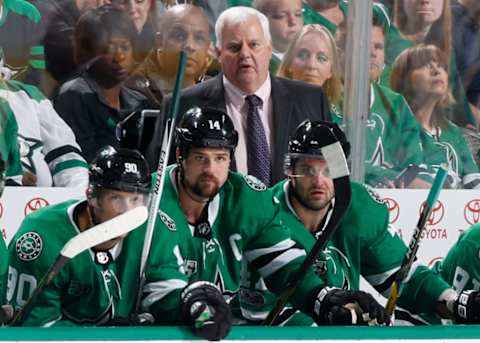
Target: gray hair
{"points": [[238, 15]]}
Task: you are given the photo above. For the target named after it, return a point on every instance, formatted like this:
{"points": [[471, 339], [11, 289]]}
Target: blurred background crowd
{"points": [[72, 71]]}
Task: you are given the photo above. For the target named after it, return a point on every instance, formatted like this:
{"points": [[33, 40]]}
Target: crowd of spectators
{"points": [[72, 70]]}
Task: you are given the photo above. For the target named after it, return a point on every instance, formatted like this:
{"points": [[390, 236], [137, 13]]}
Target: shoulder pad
{"points": [[29, 246], [254, 183], [169, 222]]}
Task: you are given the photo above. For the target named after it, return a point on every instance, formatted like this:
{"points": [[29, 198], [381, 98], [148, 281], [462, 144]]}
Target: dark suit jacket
{"points": [[293, 102]]}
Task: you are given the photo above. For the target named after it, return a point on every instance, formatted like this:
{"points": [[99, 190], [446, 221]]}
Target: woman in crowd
{"points": [[430, 22], [142, 13], [93, 103], [420, 74], [393, 136]]}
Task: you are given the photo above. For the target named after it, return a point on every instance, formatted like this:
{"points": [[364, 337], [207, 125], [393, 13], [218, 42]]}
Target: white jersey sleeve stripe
{"points": [[280, 261], [159, 290], [256, 253]]}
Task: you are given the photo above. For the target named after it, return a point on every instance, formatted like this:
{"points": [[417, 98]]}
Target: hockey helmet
{"points": [[309, 139], [206, 128], [123, 169]]}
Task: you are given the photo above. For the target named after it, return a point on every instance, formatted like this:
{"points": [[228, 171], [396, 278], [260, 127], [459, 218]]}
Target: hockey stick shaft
{"points": [[162, 164], [415, 240], [87, 239]]}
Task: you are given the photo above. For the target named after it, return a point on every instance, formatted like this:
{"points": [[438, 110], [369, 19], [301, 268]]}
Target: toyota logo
{"points": [[471, 211], [393, 209], [437, 214], [35, 204]]}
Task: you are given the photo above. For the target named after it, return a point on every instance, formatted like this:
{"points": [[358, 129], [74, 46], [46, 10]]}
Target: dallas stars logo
{"points": [[28, 146], [29, 246]]}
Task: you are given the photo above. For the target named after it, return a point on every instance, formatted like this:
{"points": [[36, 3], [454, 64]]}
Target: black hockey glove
{"points": [[6, 314], [205, 309], [466, 307], [335, 306]]}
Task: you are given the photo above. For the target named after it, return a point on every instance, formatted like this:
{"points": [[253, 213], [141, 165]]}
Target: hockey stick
{"points": [[337, 165], [415, 240], [87, 239], [162, 164]]}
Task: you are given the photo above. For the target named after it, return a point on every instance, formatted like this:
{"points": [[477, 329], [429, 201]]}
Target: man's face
{"points": [[205, 170], [286, 19], [110, 204], [188, 30], [377, 53], [315, 189], [245, 55]]}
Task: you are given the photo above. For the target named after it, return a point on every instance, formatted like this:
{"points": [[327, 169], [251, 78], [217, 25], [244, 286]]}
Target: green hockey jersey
{"points": [[461, 266], [392, 137], [91, 289], [9, 148], [364, 244], [448, 146], [3, 270], [242, 224]]}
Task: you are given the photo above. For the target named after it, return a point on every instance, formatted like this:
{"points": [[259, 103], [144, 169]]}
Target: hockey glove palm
{"points": [[204, 307], [334, 306], [466, 307]]}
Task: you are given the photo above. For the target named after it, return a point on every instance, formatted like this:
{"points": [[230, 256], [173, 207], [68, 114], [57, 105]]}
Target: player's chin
{"points": [[107, 245]]}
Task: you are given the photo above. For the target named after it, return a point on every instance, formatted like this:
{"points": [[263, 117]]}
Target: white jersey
{"points": [[48, 147]]}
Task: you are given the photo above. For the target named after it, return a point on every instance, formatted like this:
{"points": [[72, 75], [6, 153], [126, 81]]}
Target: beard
{"points": [[308, 203], [202, 189]]}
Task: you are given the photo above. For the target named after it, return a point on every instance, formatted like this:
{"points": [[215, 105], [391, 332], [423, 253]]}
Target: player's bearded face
{"points": [[205, 171], [314, 190]]}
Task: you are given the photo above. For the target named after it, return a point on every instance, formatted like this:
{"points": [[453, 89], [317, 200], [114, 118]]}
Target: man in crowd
{"points": [[99, 284], [264, 109], [214, 218], [363, 244]]}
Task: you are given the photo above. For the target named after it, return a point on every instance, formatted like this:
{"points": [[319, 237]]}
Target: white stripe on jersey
{"points": [[256, 253], [280, 261], [378, 279], [160, 289]]}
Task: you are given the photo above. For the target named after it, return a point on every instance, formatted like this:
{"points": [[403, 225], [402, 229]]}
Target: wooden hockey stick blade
{"points": [[415, 240], [98, 234], [105, 231]]}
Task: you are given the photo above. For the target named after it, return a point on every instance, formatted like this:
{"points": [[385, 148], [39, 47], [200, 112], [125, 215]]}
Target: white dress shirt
{"points": [[237, 109]]}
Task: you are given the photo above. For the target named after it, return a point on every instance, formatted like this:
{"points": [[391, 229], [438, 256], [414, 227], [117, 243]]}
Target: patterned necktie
{"points": [[258, 155]]}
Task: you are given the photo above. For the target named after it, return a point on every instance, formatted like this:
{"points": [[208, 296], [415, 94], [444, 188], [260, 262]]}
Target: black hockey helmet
{"points": [[123, 169], [206, 128], [309, 139]]}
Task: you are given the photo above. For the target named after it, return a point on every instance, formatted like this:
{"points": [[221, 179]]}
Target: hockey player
{"points": [[363, 244], [99, 284], [461, 269], [218, 218], [50, 155]]}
